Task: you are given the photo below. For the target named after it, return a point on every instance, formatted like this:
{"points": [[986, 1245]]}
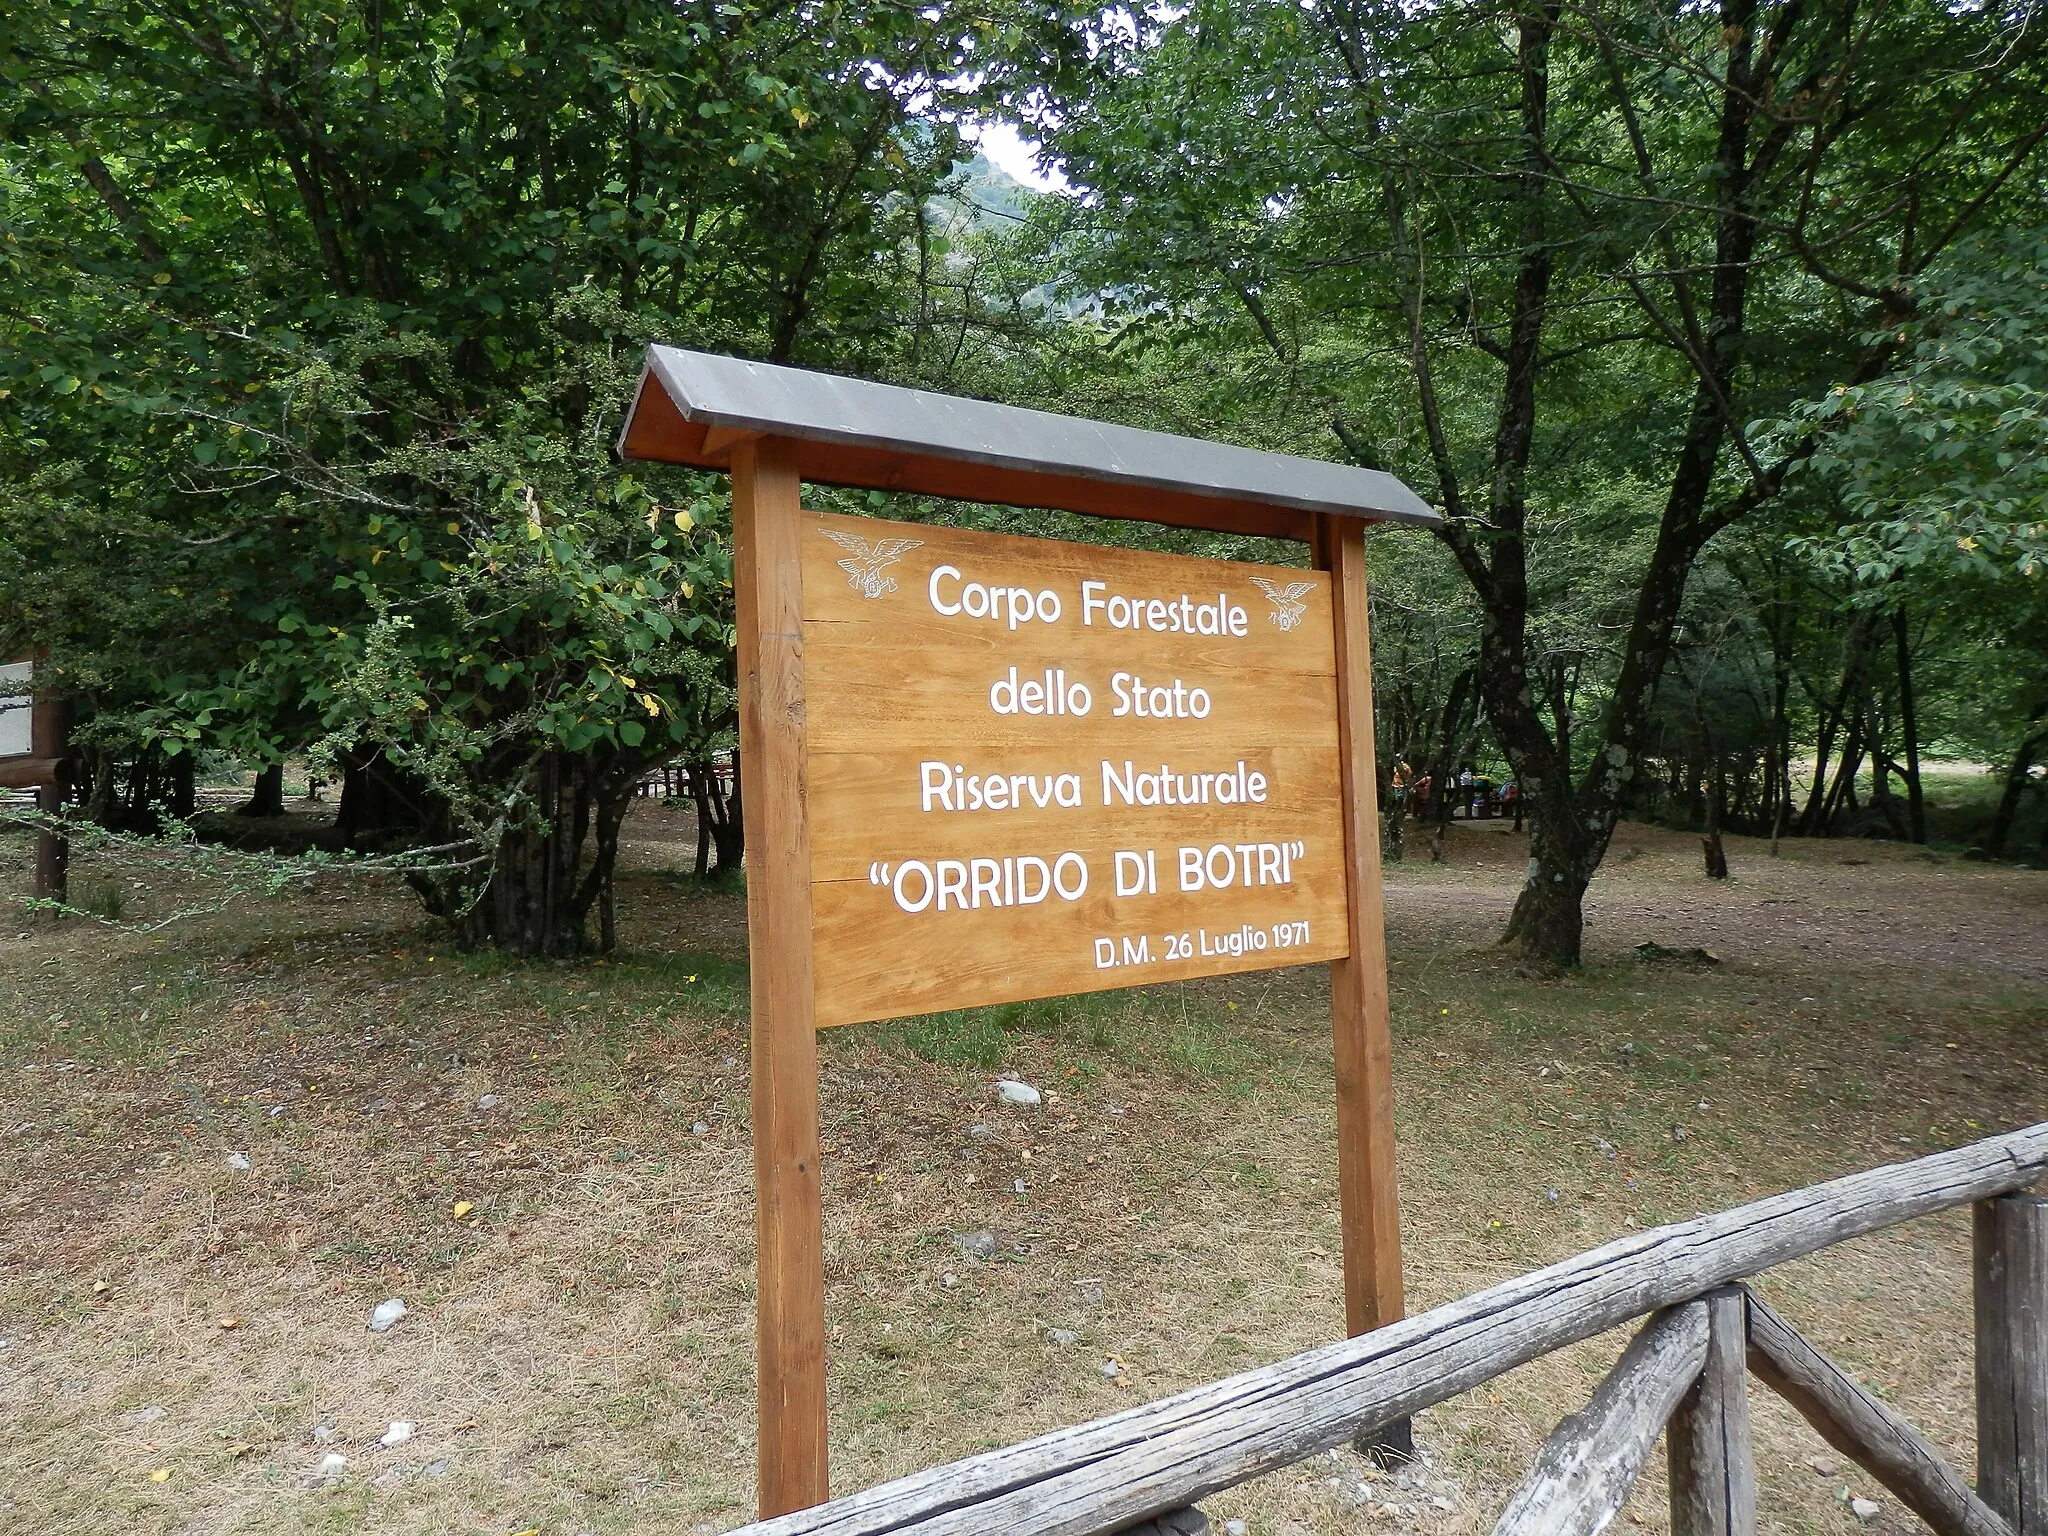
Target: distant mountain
{"points": [[988, 194]]}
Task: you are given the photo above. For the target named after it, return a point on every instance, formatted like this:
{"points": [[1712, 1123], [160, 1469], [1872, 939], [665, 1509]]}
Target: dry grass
{"points": [[579, 1352]]}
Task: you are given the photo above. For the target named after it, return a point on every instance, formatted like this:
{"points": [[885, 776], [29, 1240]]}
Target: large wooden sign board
{"points": [[978, 768], [1037, 768]]}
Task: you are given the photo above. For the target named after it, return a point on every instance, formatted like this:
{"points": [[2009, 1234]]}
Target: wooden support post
{"points": [[53, 848], [789, 1244], [2012, 1359], [50, 732], [1586, 1468], [1358, 984], [1859, 1425], [1713, 1473]]}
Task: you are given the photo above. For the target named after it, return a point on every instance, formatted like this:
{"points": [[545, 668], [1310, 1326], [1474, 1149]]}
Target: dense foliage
{"points": [[1719, 334]]}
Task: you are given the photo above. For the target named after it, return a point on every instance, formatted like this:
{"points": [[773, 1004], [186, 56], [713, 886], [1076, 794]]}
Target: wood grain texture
{"points": [[1364, 1052], [1713, 1468], [1583, 1474], [1165, 1454], [909, 701], [2011, 1288], [1865, 1429], [29, 772], [53, 848], [789, 1225]]}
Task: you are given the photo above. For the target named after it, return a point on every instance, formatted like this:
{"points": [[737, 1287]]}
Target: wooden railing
{"points": [[1688, 1368]]}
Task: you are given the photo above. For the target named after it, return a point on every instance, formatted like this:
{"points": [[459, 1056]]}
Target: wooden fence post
{"points": [[1367, 1191], [1713, 1473], [2011, 1274], [789, 1246]]}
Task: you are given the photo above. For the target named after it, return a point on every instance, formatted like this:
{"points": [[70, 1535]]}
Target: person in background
{"points": [[1511, 796], [1465, 785]]}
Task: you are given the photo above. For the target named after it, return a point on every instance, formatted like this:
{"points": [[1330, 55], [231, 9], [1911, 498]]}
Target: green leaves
{"points": [[1943, 462]]}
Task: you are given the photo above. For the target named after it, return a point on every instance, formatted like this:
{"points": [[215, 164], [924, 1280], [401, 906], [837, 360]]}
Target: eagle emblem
{"points": [[865, 571], [1287, 605]]}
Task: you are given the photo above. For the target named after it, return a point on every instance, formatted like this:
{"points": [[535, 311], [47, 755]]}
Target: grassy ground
{"points": [[578, 1358]]}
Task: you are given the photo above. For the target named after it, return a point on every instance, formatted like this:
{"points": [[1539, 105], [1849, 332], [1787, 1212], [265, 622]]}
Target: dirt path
{"points": [[1827, 904]]}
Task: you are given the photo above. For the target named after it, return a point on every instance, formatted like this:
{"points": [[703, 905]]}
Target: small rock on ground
{"points": [[1235, 1528], [1011, 1092], [399, 1432], [239, 1162], [1062, 1336], [1821, 1465], [1865, 1510], [977, 1245], [386, 1314]]}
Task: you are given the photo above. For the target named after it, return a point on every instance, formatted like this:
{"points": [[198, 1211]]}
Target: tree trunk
{"points": [[267, 798], [182, 792], [379, 801], [1548, 921], [1916, 807], [1717, 809], [2016, 778], [540, 893], [719, 825]]}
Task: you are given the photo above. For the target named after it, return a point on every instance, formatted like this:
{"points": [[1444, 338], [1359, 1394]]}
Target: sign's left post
{"points": [[788, 1219]]}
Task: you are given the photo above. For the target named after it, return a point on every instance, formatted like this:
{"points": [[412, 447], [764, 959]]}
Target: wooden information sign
{"points": [[16, 737], [34, 742], [1038, 768], [978, 768]]}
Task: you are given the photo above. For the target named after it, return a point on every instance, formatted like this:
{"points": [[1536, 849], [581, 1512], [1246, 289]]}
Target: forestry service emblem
{"points": [[1287, 605], [865, 571]]}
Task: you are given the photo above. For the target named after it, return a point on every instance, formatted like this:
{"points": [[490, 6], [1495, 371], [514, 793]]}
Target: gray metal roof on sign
{"points": [[737, 395]]}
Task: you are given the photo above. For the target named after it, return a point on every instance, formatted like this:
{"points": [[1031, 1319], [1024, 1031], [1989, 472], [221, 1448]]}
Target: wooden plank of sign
{"points": [[1368, 1192], [939, 661], [789, 1224], [865, 693], [864, 788]]}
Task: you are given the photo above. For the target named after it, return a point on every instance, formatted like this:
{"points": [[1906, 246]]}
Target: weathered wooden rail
{"points": [[1688, 1370]]}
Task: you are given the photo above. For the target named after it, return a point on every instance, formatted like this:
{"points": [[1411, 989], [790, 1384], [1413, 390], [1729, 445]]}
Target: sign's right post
{"points": [[1358, 983]]}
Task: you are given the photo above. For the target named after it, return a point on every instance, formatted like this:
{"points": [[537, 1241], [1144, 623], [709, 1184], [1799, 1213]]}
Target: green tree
{"points": [[1595, 240], [319, 320]]}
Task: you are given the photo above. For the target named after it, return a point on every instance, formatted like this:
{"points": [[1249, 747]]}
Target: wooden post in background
{"points": [[1713, 1471], [50, 735], [1358, 985], [2011, 1274], [789, 1246]]}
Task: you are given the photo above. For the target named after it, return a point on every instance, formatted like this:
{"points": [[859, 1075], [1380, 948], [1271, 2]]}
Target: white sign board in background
{"points": [[16, 739]]}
